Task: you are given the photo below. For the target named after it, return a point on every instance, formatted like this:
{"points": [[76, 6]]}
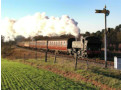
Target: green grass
{"points": [[109, 77], [17, 76], [105, 76]]}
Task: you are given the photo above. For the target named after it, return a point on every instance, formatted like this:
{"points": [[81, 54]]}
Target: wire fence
{"points": [[58, 58]]}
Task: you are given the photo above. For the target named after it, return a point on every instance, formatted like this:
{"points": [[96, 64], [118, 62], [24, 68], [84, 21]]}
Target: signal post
{"points": [[106, 12]]}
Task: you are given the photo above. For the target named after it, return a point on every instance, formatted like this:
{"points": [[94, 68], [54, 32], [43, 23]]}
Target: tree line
{"points": [[113, 37]]}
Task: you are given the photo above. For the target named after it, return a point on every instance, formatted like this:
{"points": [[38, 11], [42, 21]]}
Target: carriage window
{"points": [[59, 43], [64, 43]]}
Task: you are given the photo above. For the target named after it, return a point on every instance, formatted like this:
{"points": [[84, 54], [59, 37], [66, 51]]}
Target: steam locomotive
{"points": [[85, 47]]}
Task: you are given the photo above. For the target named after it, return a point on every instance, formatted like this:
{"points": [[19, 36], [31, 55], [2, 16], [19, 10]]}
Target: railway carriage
{"points": [[41, 44], [26, 44], [32, 44], [86, 47], [61, 44], [20, 44]]}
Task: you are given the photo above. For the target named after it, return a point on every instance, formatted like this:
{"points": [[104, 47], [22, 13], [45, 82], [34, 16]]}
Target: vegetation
{"points": [[109, 77], [113, 37], [6, 47], [19, 76]]}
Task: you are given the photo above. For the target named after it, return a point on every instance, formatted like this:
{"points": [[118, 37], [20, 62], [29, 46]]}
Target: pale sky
{"points": [[82, 11]]}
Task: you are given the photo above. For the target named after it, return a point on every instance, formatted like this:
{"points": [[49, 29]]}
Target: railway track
{"points": [[109, 63], [71, 57]]}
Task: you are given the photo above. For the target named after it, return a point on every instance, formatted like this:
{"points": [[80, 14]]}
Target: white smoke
{"points": [[39, 24], [6, 27]]}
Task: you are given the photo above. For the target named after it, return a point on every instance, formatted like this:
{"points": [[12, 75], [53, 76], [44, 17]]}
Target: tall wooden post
{"points": [[106, 13], [46, 51], [105, 39]]}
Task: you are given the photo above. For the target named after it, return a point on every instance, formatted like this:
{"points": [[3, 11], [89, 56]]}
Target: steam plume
{"points": [[39, 24]]}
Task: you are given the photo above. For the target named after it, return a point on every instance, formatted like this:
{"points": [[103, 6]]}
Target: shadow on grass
{"points": [[108, 73]]}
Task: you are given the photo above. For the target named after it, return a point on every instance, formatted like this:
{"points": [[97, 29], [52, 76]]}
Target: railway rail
{"points": [[71, 57]]}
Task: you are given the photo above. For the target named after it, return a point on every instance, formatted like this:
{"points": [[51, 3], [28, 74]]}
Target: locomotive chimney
{"points": [[75, 38], [78, 37]]}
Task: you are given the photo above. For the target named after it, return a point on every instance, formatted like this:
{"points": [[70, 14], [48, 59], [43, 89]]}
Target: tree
{"points": [[87, 34]]}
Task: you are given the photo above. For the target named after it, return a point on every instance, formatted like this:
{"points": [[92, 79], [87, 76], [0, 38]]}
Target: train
{"points": [[84, 47]]}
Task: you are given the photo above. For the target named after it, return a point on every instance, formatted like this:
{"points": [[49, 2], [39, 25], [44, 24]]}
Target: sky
{"points": [[82, 11]]}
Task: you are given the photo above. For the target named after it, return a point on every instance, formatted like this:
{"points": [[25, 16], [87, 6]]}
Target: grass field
{"points": [[108, 77], [17, 76], [38, 74]]}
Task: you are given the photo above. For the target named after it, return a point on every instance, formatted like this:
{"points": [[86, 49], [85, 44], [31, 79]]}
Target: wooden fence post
{"points": [[55, 56], [46, 52], [36, 49], [76, 58], [87, 64], [24, 58]]}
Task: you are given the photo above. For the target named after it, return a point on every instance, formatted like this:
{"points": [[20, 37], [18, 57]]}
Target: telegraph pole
{"points": [[106, 12]]}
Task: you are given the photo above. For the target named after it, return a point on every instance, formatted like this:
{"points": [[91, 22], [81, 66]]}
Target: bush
{"points": [[7, 48]]}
